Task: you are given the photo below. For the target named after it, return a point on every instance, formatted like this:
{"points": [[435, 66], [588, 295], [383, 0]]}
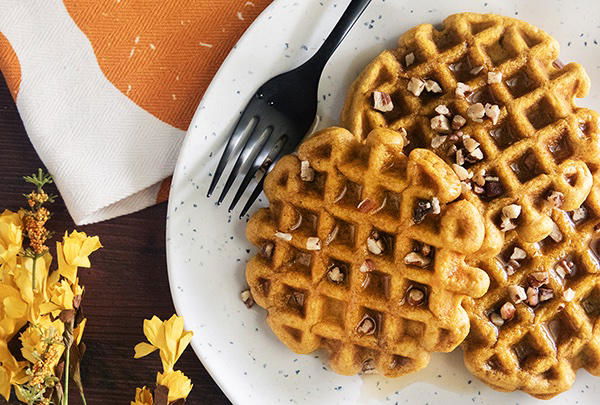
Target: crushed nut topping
{"points": [[533, 296], [336, 275], [479, 178], [415, 296], [512, 211], [569, 295], [477, 154], [565, 268], [460, 160], [416, 86], [476, 112], [512, 266], [579, 214], [463, 90], [518, 254], [367, 266], [332, 235], [366, 326], [367, 205], [298, 222], [368, 367], [306, 172], [470, 144], [341, 194], [546, 294], [496, 319], [538, 279], [421, 210], [382, 101], [507, 312], [476, 70], [440, 123], [296, 299], [313, 243], [458, 122], [409, 59], [492, 111], [417, 259], [461, 172], [432, 86], [442, 109], [438, 140], [266, 250], [435, 206], [375, 244], [283, 236], [494, 77], [517, 294], [556, 235], [247, 298], [556, 199]]}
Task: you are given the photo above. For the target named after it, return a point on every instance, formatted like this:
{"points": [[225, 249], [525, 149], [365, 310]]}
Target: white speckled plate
{"points": [[206, 246]]}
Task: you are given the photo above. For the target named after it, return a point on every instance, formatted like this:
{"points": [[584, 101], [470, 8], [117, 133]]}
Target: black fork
{"points": [[278, 116]]}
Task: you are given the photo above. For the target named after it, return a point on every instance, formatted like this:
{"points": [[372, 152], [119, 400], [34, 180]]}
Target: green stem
{"points": [[67, 369]]}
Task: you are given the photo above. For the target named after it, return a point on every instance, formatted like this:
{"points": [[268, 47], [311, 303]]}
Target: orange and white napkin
{"points": [[107, 88]]}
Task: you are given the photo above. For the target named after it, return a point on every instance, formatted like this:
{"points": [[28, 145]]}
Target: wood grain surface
{"points": [[126, 284]]}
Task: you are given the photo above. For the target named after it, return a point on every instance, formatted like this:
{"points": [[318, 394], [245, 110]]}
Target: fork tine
{"points": [[251, 146], [232, 142], [259, 187], [260, 159]]}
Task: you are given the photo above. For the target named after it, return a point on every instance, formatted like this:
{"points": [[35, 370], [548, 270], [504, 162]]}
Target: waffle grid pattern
{"points": [[541, 143], [307, 311]]}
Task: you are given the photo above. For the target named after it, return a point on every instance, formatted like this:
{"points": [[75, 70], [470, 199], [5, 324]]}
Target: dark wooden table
{"points": [[126, 284]]}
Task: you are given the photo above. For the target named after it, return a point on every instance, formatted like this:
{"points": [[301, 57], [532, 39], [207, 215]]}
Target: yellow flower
{"points": [[61, 295], [143, 396], [78, 331], [11, 371], [11, 237], [39, 337], [13, 311], [178, 384], [168, 337], [23, 277], [74, 252]]}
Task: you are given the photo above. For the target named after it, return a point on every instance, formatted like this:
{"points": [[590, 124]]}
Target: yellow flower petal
{"points": [[152, 328], [11, 238], [143, 349], [178, 384], [5, 377], [14, 307], [143, 396], [65, 269], [78, 331], [78, 246]]}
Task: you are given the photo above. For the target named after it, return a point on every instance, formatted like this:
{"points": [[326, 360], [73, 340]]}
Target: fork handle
{"points": [[341, 29]]}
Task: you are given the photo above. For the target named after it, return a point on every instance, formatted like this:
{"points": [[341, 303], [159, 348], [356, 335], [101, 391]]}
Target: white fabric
{"points": [[110, 161]]}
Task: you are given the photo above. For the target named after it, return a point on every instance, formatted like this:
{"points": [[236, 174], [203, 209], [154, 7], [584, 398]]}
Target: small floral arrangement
{"points": [[169, 338], [41, 323]]}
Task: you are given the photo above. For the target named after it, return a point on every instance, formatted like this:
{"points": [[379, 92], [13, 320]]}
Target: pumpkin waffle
{"points": [[487, 94], [362, 253]]}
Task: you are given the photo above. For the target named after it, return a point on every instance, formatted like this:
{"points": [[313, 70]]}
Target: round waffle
{"points": [[487, 94], [362, 253]]}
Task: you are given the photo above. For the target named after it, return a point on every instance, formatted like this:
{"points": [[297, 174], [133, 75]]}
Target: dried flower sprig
{"points": [[41, 306], [170, 339]]}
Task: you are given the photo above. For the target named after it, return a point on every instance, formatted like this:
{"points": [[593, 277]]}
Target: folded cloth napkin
{"points": [[107, 88]]}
